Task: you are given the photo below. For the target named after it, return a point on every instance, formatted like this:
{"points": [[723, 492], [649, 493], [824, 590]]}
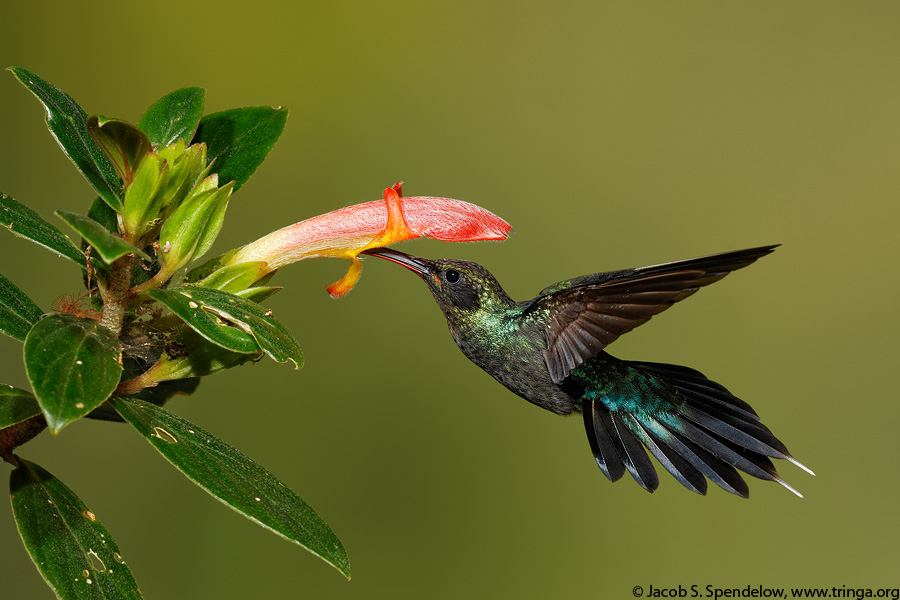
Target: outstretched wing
{"points": [[588, 313]]}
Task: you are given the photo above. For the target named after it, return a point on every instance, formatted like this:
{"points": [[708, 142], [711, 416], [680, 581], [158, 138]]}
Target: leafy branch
{"points": [[153, 180]]}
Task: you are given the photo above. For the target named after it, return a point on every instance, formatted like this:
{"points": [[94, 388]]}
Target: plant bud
{"points": [[192, 228]]}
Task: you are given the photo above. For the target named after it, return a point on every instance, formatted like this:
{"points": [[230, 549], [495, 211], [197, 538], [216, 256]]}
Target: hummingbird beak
{"points": [[412, 263]]}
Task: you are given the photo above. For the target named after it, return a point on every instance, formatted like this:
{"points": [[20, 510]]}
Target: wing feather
{"points": [[589, 313]]}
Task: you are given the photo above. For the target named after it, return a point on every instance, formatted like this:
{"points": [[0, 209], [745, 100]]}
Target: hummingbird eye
{"points": [[451, 275]]}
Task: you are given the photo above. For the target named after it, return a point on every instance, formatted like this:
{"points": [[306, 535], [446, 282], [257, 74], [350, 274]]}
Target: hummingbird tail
{"points": [[693, 426]]}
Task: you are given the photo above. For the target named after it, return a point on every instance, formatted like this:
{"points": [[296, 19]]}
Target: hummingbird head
{"points": [[458, 286]]}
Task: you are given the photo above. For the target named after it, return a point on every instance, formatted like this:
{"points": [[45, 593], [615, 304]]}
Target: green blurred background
{"points": [[610, 135]]}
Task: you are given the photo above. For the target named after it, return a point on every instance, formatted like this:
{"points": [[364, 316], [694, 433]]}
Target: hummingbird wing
{"points": [[588, 313]]}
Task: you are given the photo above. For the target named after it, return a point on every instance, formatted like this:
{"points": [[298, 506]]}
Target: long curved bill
{"points": [[413, 263]]}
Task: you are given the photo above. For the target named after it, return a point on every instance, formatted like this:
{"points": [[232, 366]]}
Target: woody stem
{"points": [[115, 302]]}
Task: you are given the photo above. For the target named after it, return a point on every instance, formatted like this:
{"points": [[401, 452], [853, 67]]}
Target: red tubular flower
{"points": [[346, 232]]}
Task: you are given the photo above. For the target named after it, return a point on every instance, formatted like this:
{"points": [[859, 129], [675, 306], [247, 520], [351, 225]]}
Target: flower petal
{"points": [[396, 229], [346, 232], [452, 220], [346, 283]]}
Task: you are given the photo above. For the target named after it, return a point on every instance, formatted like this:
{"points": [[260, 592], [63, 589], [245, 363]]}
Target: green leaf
{"points": [[194, 357], [273, 337], [143, 198], [73, 365], [180, 301], [68, 124], [234, 479], [207, 267], [201, 306], [239, 139], [174, 117], [159, 394], [259, 293], [17, 311], [187, 170], [71, 548], [109, 219], [16, 406], [20, 420], [234, 278], [24, 222], [110, 247], [124, 144], [103, 214]]}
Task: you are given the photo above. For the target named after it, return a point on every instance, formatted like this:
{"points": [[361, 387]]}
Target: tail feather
{"points": [[680, 468], [719, 472], [715, 446], [703, 390], [742, 436], [616, 448], [764, 463], [635, 458], [600, 432], [694, 427], [717, 401], [761, 461], [754, 429]]}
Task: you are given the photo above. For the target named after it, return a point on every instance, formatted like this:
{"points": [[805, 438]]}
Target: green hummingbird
{"points": [[551, 351]]}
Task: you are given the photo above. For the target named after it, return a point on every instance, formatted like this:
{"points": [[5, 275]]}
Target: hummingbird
{"points": [[551, 351]]}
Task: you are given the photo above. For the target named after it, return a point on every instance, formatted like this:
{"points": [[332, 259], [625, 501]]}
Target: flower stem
{"points": [[152, 283], [133, 386]]}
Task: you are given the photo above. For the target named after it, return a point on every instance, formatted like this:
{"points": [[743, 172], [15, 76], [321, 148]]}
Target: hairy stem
{"points": [[115, 302]]}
